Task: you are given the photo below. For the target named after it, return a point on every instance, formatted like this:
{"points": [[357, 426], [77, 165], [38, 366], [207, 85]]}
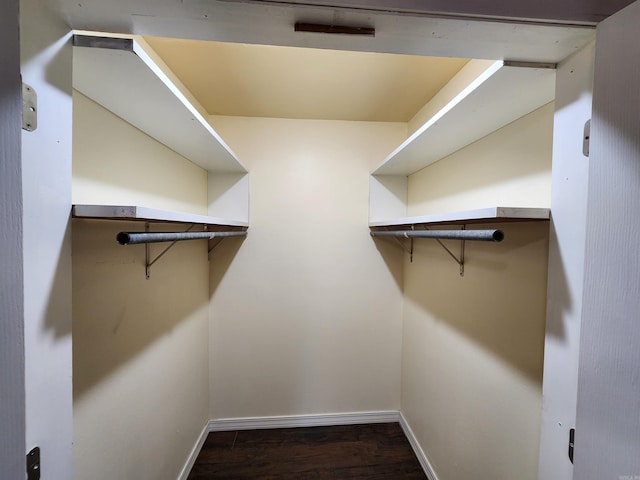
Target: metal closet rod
{"points": [[133, 238], [478, 235]]}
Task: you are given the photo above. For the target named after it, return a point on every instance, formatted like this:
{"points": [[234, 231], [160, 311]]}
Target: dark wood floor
{"points": [[373, 452]]}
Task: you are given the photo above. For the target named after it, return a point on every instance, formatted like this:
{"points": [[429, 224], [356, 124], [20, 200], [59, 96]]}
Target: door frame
{"points": [[607, 437], [12, 422], [12, 359]]}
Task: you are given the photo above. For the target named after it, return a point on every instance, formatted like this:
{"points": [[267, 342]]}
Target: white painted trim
{"points": [[567, 240], [489, 102], [138, 88], [496, 214], [132, 212], [331, 419], [417, 449], [295, 421], [46, 188], [191, 460]]}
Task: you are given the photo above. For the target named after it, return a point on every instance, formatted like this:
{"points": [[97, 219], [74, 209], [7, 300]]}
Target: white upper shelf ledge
{"points": [[124, 75], [135, 213], [492, 98], [481, 215]]}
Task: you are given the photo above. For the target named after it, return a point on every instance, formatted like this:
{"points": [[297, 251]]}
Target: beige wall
{"points": [[511, 167], [115, 163], [473, 345], [306, 313], [140, 347]]}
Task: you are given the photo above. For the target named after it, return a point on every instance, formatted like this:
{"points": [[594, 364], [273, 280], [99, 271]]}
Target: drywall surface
{"points": [[567, 233], [510, 167], [305, 312], [117, 164], [140, 347], [473, 353], [12, 393], [473, 346], [140, 354], [45, 48]]}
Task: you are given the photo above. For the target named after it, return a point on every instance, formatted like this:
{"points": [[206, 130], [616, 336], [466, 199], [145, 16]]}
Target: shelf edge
{"points": [[137, 213], [482, 215]]}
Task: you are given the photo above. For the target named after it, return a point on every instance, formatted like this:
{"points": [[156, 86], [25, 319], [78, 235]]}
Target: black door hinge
{"points": [[572, 437], [33, 464]]}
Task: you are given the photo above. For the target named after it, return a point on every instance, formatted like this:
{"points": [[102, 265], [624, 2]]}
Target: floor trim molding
{"points": [[254, 423], [417, 449], [317, 420], [191, 460]]}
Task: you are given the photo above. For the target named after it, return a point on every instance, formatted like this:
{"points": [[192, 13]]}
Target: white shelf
{"points": [[136, 213], [126, 77], [482, 215], [497, 97]]}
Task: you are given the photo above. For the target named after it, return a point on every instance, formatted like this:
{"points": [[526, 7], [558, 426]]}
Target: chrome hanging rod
{"points": [[134, 238], [478, 235]]}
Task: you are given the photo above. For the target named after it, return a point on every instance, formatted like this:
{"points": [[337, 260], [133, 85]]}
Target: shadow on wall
{"points": [[560, 301], [56, 314], [392, 253], [500, 302], [117, 312], [221, 258]]}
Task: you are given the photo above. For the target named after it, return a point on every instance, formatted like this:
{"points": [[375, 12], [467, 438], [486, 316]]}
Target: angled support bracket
{"points": [[462, 234], [458, 259], [147, 251], [408, 249], [213, 244]]}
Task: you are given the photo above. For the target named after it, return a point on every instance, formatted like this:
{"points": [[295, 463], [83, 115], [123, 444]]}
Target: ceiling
{"points": [[444, 34], [563, 11], [305, 83]]}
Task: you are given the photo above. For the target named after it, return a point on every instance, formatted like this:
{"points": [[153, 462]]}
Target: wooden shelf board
{"points": [[482, 215], [144, 214], [499, 96], [128, 82]]}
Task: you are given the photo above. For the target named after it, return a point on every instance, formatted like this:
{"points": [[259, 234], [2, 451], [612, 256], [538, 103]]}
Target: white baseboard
{"points": [[417, 449], [194, 453], [255, 423]]}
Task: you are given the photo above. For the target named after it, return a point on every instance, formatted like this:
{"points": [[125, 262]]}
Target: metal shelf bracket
{"points": [[147, 251], [134, 238], [409, 249], [459, 260], [462, 234]]}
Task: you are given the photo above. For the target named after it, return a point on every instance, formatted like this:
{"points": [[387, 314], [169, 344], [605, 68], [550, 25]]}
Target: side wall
{"points": [[12, 414], [46, 185], [473, 346], [511, 167], [140, 347], [306, 316], [574, 85], [116, 163]]}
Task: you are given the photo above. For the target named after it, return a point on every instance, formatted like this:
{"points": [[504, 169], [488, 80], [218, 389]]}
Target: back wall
{"points": [[306, 315]]}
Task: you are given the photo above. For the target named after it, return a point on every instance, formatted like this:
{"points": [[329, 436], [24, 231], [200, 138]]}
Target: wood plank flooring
{"points": [[373, 452]]}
